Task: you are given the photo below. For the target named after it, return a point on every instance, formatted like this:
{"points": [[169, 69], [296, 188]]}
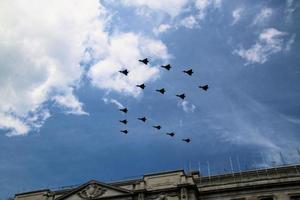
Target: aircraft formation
{"points": [[162, 91]]}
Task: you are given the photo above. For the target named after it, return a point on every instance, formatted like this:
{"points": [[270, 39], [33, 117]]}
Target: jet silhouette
{"points": [[142, 119], [181, 96], [162, 90], [125, 72], [142, 86], [188, 140], [157, 127], [125, 110], [204, 87], [171, 134], [145, 61], [123, 121], [189, 72], [167, 67], [124, 131]]}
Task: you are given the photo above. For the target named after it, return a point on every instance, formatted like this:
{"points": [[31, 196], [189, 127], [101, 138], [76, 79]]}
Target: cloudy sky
{"points": [[60, 89]]}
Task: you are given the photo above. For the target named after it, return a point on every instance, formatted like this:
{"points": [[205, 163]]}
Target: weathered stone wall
{"points": [[41, 195], [276, 183]]}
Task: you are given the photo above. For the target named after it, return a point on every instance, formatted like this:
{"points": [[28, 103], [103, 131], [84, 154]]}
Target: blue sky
{"points": [[61, 90]]}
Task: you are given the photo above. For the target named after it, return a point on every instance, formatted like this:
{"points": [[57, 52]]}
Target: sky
{"points": [[60, 89]]}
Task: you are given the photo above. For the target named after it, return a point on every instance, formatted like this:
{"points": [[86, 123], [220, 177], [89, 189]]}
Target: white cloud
{"points": [[161, 28], [204, 5], [187, 107], [289, 43], [236, 15], [289, 10], [245, 122], [22, 125], [69, 102], [157, 11], [40, 56], [291, 119], [42, 43], [270, 36], [123, 51], [113, 101], [189, 22], [144, 12], [170, 7], [263, 15], [270, 41], [15, 125]]}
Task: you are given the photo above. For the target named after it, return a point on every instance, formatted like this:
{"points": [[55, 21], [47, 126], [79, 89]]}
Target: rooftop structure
{"points": [[280, 183]]}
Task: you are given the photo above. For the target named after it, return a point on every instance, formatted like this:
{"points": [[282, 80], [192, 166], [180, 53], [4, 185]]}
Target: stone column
{"points": [[282, 197], [141, 196], [183, 194]]}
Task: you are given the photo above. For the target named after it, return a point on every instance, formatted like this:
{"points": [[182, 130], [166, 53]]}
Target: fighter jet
{"points": [[124, 131], [123, 121], [181, 96], [145, 61], [162, 90], [125, 110], [157, 127], [142, 86], [171, 134], [204, 87], [189, 72], [125, 72], [167, 67], [188, 140], [142, 119]]}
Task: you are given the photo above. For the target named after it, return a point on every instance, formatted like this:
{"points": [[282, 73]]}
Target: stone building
{"points": [[274, 183]]}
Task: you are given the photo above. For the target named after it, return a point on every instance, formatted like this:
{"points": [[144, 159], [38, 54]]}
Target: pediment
{"points": [[94, 190]]}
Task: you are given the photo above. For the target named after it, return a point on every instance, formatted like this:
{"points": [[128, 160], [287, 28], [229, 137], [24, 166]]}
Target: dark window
{"points": [[296, 197], [266, 198]]}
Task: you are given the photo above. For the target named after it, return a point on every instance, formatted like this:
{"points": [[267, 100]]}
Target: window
{"points": [[295, 197], [265, 198]]}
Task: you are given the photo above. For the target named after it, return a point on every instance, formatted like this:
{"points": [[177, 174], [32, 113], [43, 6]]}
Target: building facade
{"points": [[282, 183]]}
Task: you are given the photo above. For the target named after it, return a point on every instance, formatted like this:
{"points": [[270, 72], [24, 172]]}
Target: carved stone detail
{"points": [[161, 196], [92, 191]]}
